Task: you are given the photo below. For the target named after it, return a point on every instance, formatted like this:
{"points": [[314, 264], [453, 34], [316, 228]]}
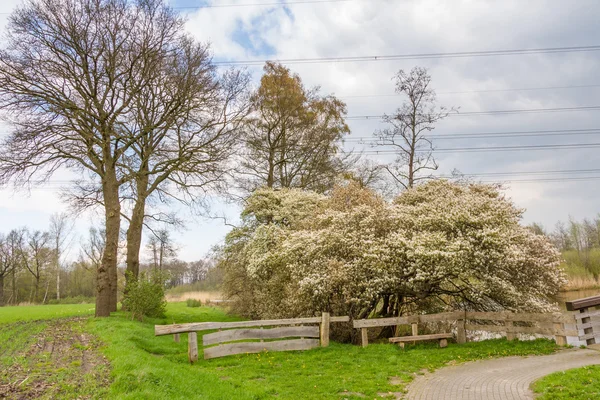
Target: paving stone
{"points": [[498, 379]]}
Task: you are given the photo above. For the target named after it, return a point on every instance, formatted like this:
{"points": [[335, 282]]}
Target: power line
{"points": [[477, 91], [495, 148], [581, 179], [417, 56], [494, 112], [280, 4], [266, 3], [492, 135], [520, 173]]}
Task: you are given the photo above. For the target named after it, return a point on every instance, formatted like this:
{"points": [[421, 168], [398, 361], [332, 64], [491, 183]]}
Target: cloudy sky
{"points": [[539, 178]]}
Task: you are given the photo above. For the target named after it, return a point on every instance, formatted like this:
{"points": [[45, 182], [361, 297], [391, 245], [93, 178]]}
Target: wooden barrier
{"points": [[552, 324], [588, 318], [285, 329]]}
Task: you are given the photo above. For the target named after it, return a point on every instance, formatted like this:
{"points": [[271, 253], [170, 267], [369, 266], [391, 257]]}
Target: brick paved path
{"points": [[497, 379]]}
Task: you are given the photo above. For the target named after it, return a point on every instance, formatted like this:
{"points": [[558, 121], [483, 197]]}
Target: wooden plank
{"points": [[589, 336], [434, 336], [204, 326], [586, 302], [376, 322], [273, 333], [325, 321], [518, 329], [489, 316], [364, 337], [587, 314], [192, 347], [255, 347], [446, 316], [591, 324]]}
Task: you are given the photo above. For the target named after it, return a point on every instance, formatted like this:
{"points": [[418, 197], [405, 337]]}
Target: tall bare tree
{"points": [[60, 228], [294, 135], [71, 75], [410, 124], [37, 257]]}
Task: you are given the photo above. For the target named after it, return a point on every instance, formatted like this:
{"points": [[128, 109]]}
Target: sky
{"points": [[239, 30]]}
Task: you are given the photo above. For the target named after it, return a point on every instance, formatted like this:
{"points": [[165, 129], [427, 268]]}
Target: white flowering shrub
{"points": [[439, 246]]}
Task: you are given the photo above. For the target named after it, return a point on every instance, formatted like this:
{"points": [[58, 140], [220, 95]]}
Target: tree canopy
{"points": [[438, 246]]}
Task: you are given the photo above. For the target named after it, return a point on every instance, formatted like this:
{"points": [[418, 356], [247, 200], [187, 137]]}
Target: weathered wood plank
{"points": [[590, 336], [592, 324], [273, 333], [520, 317], [446, 316], [325, 321], [520, 329], [375, 322], [586, 302], [192, 347], [587, 314], [435, 336], [204, 326], [254, 347]]}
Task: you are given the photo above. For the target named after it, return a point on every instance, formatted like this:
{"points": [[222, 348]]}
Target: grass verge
{"points": [[574, 384], [145, 366]]}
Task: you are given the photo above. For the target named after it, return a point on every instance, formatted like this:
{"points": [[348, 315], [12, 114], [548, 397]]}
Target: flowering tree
{"points": [[439, 246]]}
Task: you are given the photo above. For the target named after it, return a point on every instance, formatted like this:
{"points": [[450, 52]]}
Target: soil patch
{"points": [[62, 362]]}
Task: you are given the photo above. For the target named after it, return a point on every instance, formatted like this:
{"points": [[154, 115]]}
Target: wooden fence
{"points": [[299, 328], [587, 314], [508, 323]]}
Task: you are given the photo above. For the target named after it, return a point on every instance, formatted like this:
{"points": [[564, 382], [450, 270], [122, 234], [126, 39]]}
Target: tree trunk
{"points": [[134, 234], [37, 289], [106, 276], [1, 290], [14, 286]]}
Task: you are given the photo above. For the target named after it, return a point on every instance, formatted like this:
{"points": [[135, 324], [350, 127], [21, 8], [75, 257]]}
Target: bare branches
{"points": [[410, 123]]}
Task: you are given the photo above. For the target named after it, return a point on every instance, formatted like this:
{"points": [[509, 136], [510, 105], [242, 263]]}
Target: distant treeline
{"points": [[579, 242]]}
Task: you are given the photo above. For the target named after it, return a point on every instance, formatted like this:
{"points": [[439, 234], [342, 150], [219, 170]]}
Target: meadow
{"points": [[60, 351]]}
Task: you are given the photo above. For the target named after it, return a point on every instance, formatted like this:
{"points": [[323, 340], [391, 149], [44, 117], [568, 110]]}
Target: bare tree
{"points": [[70, 77], [36, 256], [409, 127], [60, 229], [161, 248]]}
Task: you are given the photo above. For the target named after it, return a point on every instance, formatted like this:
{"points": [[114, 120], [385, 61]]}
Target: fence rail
{"points": [[286, 329], [553, 324]]}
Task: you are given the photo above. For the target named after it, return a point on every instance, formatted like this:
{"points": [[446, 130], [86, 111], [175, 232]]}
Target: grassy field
{"points": [[44, 312], [149, 367], [575, 384]]}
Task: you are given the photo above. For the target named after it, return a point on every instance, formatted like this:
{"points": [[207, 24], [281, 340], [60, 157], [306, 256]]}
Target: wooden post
{"points": [[461, 333], [589, 330], [510, 335], [192, 347], [325, 321], [364, 337], [176, 338], [560, 340], [443, 343], [415, 328]]}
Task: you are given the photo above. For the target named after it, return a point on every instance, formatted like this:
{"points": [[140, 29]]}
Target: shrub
{"points": [[193, 303], [145, 297]]}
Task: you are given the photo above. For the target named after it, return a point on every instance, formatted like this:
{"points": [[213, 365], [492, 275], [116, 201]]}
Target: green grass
{"points": [[43, 312], [145, 366], [574, 384]]}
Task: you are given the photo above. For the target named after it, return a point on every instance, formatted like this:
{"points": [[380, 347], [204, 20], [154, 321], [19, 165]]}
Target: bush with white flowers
{"points": [[439, 246]]}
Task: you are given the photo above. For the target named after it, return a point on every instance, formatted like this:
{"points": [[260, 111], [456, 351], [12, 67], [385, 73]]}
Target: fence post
{"points": [[461, 333], [364, 337], [510, 335], [192, 347], [325, 320], [559, 339], [176, 337]]}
